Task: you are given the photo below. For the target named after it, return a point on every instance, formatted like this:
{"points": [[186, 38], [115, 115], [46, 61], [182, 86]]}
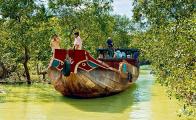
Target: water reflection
{"points": [[144, 100], [113, 104]]}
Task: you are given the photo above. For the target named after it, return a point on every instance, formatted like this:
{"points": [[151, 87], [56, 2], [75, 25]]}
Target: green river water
{"points": [[144, 100]]}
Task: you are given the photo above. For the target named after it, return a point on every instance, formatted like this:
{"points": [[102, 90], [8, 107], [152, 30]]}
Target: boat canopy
{"points": [[125, 53]]}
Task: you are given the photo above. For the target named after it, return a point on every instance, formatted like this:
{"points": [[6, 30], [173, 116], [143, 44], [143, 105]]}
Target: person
{"points": [[117, 54], [123, 55], [109, 42], [77, 41], [55, 42], [110, 47], [135, 55]]}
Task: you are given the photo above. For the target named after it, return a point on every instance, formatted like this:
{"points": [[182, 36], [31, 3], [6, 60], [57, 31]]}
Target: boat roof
{"points": [[121, 49]]}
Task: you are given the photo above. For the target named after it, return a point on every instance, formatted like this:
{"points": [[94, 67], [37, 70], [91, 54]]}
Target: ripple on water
{"points": [[144, 100]]}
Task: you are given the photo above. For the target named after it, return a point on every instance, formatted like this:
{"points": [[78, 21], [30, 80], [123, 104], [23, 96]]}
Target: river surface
{"points": [[144, 100]]}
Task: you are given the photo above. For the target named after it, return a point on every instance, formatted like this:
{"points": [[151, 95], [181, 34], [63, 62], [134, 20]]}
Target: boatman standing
{"points": [[110, 47], [77, 41], [55, 42], [109, 42]]}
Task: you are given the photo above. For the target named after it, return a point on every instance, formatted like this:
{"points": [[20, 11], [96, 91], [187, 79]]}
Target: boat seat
{"points": [[115, 59]]}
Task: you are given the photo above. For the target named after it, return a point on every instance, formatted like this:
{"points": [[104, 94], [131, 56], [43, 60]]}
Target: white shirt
{"points": [[78, 41]]}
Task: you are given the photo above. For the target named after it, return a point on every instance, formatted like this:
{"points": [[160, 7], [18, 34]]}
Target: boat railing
{"points": [[107, 54], [116, 59]]}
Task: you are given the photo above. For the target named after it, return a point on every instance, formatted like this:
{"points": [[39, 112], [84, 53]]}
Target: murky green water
{"points": [[144, 100]]}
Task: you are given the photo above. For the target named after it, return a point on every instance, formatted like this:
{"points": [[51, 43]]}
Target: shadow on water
{"points": [[141, 101], [114, 104], [111, 104], [137, 92]]}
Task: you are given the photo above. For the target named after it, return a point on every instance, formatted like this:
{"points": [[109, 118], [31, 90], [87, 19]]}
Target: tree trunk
{"points": [[26, 59], [70, 34], [41, 72], [3, 70]]}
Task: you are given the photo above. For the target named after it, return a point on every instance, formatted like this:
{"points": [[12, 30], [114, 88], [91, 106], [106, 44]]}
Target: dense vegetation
{"points": [[163, 30], [167, 38], [27, 25]]}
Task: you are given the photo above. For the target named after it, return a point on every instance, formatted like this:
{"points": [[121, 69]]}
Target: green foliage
{"points": [[26, 28], [168, 41]]}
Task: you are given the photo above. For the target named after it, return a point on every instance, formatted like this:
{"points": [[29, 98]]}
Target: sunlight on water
{"points": [[144, 100]]}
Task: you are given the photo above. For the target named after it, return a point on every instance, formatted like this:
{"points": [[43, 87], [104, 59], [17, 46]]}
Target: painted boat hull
{"points": [[97, 82]]}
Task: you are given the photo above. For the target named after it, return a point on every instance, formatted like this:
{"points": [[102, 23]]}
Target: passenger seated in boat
{"points": [[77, 41], [117, 54], [123, 55], [135, 55], [101, 54], [55, 42]]}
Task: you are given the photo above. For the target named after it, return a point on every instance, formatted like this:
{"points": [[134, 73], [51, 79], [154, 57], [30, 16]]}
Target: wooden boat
{"points": [[76, 73]]}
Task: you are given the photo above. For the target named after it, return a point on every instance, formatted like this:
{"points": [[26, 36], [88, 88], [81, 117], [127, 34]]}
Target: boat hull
{"points": [[76, 73], [96, 83]]}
